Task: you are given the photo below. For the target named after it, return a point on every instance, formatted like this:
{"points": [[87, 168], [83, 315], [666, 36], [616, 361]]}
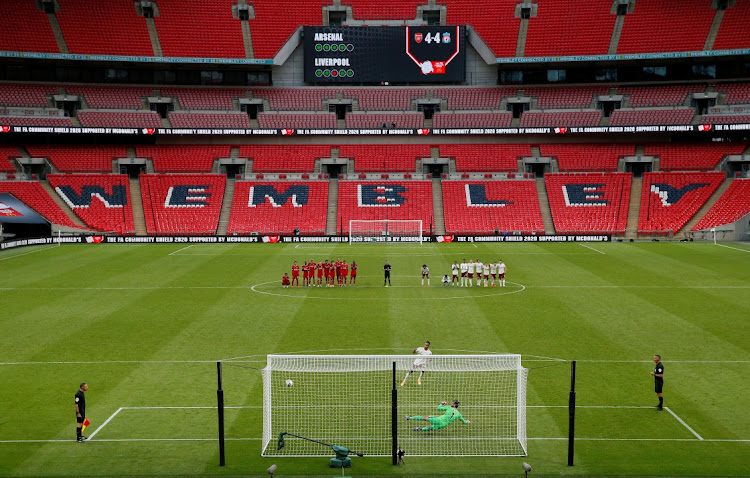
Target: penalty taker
{"points": [[438, 422]]}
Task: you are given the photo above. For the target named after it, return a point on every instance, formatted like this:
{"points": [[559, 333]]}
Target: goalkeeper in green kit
{"points": [[441, 421]]}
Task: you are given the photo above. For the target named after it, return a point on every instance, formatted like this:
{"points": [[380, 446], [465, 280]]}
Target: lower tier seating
{"points": [[182, 204], [278, 207], [284, 158], [374, 158], [587, 157], [589, 203], [375, 200], [692, 156], [102, 201], [733, 205], [79, 159], [33, 195], [670, 200], [6, 153], [485, 207], [183, 157], [485, 157]]}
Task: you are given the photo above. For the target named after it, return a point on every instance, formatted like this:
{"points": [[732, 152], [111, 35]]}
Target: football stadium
{"points": [[357, 238]]}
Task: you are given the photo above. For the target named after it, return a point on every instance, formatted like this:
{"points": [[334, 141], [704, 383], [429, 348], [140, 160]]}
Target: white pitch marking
{"points": [[25, 253], [192, 408], [105, 423], [175, 252], [683, 422], [589, 247], [734, 248]]}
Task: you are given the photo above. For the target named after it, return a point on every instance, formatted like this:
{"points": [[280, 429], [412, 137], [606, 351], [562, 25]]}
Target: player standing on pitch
{"points": [[454, 271], [425, 275], [353, 274], [658, 374], [441, 421], [419, 363], [387, 274]]}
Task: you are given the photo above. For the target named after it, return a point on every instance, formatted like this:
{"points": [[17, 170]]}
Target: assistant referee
{"points": [[80, 410], [387, 274], [658, 374]]}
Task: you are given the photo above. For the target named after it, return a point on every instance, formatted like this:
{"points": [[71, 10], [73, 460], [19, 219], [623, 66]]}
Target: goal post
{"points": [[385, 230], [347, 400]]}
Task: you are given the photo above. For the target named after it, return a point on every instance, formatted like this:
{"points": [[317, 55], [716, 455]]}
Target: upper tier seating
{"points": [[737, 93], [696, 157], [205, 30], [284, 158], [589, 203], [33, 195], [411, 120], [494, 21], [670, 200], [665, 26], [472, 120], [561, 118], [651, 117], [183, 157], [79, 159], [725, 119], [275, 22], [587, 157], [22, 94], [460, 98], [664, 95], [375, 158], [369, 10], [120, 119], [482, 207], [7, 152], [35, 121], [383, 99], [110, 97], [313, 121], [102, 201], [183, 203], [377, 200], [204, 98], [25, 28], [485, 157], [559, 97], [733, 205], [569, 27], [278, 207], [209, 120], [733, 32], [104, 28]]}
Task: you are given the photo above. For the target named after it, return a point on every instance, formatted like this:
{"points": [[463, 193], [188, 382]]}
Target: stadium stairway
{"points": [[57, 32], [59, 201], [634, 208], [333, 194], [714, 31], [226, 208], [685, 231], [614, 40], [437, 207], [541, 191], [154, 36], [136, 203]]}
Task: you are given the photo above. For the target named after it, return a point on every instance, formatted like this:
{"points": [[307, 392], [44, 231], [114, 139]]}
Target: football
{"points": [[289, 383]]}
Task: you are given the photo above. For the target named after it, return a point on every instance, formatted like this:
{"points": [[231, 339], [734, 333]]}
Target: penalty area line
{"points": [[105, 423], [683, 423], [178, 250], [733, 248], [589, 247]]}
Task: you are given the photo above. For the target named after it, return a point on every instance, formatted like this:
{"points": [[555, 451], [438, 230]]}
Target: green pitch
{"points": [[145, 324]]}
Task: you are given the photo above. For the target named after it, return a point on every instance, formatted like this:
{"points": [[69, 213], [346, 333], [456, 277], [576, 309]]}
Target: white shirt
{"points": [[493, 268], [478, 265], [486, 270], [464, 267], [501, 268], [471, 267], [424, 353], [425, 270], [455, 268]]}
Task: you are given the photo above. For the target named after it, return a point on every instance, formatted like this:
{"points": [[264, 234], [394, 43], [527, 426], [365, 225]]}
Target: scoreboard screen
{"points": [[414, 54]]}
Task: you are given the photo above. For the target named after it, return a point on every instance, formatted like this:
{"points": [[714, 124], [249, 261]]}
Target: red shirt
{"points": [[285, 280], [354, 269], [344, 269], [295, 271]]}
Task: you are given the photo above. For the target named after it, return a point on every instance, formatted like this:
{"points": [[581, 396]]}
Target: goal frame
{"points": [[384, 235], [400, 363]]}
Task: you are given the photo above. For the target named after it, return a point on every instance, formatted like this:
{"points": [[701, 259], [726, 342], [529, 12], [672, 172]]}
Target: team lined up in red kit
{"points": [[316, 274]]}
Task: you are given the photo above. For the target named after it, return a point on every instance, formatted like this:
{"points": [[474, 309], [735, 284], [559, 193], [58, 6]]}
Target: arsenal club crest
{"points": [[418, 37]]}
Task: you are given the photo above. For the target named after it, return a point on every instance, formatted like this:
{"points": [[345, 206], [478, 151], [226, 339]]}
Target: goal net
{"points": [[385, 230], [346, 400]]}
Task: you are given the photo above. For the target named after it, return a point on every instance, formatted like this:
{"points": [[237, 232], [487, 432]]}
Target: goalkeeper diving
{"points": [[438, 422]]}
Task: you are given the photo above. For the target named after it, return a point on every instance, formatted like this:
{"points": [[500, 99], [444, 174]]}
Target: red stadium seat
{"points": [[733, 205], [385, 200]]}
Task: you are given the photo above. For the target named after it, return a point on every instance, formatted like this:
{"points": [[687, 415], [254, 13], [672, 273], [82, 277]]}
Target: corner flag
{"points": [[86, 423]]}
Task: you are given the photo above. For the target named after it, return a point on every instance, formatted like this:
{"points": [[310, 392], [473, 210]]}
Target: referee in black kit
{"points": [[81, 411], [387, 274], [658, 374]]}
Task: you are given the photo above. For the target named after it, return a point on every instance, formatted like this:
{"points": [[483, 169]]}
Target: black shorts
{"points": [[81, 418], [658, 385], [387, 275]]}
